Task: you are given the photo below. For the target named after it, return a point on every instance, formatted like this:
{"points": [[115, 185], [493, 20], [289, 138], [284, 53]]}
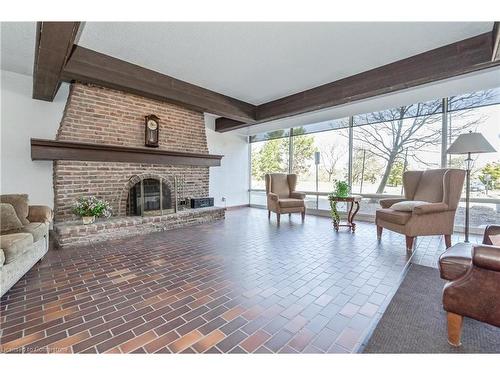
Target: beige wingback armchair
{"points": [[441, 188], [282, 197]]}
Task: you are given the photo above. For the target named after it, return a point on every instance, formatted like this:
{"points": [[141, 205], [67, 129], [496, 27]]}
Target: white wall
{"points": [[230, 180], [23, 118]]}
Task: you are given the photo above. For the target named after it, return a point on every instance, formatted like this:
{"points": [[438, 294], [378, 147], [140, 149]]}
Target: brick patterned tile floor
{"points": [[236, 286]]}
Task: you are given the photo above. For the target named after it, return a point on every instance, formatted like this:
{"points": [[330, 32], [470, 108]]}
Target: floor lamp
{"points": [[469, 143], [317, 158]]}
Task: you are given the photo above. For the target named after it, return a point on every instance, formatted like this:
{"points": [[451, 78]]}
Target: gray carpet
{"points": [[415, 322]]}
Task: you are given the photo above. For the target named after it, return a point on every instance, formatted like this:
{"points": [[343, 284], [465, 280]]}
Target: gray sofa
{"points": [[24, 237]]}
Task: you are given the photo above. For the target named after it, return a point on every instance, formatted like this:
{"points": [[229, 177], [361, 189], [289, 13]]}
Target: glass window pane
{"points": [[383, 151], [485, 174], [283, 133], [474, 99], [333, 148], [480, 215], [323, 126], [268, 157], [430, 108]]}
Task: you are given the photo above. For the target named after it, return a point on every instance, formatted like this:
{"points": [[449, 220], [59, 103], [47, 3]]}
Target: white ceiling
{"points": [[17, 46], [254, 62]]}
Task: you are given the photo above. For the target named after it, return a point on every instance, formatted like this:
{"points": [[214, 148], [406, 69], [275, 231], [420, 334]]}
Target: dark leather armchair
{"points": [[474, 289]]}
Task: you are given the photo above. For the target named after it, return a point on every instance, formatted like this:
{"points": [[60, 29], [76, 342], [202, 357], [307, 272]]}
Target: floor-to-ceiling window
{"points": [[389, 142], [320, 155], [269, 154], [384, 145], [478, 112]]}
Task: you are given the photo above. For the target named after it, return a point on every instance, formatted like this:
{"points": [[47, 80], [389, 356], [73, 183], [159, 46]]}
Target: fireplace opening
{"points": [[149, 197]]}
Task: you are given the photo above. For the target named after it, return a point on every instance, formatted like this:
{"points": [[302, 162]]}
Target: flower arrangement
{"points": [[91, 207]]}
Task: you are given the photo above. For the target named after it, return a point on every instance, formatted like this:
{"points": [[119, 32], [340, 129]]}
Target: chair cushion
{"points": [[455, 261], [290, 202], [407, 206], [38, 230], [20, 204], [8, 218], [2, 258], [14, 245], [392, 216]]}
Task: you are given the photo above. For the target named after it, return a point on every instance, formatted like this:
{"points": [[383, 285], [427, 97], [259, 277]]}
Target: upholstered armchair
{"points": [[439, 189], [282, 197], [473, 289]]}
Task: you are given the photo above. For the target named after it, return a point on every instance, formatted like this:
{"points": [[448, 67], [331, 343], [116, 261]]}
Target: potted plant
{"points": [[342, 189], [91, 207]]}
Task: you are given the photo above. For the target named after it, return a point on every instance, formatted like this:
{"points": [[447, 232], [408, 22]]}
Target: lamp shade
{"points": [[475, 143]]}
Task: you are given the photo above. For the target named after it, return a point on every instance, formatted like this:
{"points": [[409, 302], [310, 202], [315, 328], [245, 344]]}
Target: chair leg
{"points": [[278, 216], [379, 232], [303, 214], [409, 243], [289, 216], [268, 214], [454, 328], [447, 240]]}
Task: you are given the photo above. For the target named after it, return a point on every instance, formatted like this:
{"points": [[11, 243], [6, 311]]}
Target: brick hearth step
{"points": [[74, 233]]}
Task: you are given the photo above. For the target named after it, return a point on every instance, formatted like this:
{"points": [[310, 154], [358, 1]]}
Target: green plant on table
{"points": [[341, 191]]}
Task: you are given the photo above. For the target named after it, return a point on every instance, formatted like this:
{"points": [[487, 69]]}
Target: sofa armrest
{"points": [[487, 257], [272, 196], [297, 195], [388, 202], [40, 214], [430, 208]]}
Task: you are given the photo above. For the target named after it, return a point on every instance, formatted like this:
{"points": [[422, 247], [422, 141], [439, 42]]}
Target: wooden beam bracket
{"points": [[54, 42]]}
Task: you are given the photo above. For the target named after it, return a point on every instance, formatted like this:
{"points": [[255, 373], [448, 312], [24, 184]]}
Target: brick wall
{"points": [[100, 115]]}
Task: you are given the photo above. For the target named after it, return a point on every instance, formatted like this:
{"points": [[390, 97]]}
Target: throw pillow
{"points": [[20, 204], [8, 218], [407, 206]]}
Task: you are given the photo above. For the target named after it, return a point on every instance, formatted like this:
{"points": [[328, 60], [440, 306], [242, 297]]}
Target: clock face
{"points": [[152, 125]]}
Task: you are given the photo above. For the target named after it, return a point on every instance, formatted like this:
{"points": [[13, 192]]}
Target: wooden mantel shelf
{"points": [[45, 149]]}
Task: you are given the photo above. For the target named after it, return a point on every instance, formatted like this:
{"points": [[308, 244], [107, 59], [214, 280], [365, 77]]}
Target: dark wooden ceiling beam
{"points": [[223, 124], [89, 66], [54, 41], [496, 42], [455, 59]]}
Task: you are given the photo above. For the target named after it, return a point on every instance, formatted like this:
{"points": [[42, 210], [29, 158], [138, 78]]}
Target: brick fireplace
{"points": [[104, 116]]}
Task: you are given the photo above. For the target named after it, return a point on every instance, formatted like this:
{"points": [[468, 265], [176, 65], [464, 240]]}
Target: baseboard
{"points": [[231, 208]]}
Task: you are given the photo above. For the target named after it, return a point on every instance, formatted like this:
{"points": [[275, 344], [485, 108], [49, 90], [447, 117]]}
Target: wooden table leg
{"points": [[351, 219], [349, 214]]}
